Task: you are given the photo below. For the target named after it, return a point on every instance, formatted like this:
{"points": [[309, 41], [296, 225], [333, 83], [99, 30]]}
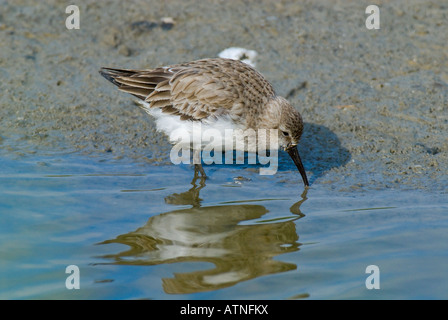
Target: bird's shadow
{"points": [[320, 150]]}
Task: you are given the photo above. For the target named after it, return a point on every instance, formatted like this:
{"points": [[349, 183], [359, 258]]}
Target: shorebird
{"points": [[218, 93]]}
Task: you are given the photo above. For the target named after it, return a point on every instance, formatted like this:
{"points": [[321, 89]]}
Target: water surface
{"points": [[140, 231]]}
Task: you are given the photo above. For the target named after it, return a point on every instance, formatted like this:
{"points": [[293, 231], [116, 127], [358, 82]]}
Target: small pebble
{"points": [[167, 23]]}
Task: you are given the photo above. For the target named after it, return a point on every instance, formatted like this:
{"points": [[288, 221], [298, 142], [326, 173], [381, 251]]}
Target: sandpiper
{"points": [[216, 92]]}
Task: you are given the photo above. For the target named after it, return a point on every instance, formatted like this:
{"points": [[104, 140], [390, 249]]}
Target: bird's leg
{"points": [[198, 170], [201, 170], [198, 163]]}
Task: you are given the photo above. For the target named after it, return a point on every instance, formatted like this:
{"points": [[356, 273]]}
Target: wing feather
{"points": [[195, 90]]}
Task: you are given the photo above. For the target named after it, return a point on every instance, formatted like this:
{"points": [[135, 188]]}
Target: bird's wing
{"points": [[195, 90], [199, 93], [192, 92]]}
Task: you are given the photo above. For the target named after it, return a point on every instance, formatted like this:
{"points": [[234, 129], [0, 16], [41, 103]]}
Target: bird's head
{"points": [[290, 127]]}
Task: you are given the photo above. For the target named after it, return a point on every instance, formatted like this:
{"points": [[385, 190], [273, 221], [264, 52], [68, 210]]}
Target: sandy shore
{"points": [[374, 101]]}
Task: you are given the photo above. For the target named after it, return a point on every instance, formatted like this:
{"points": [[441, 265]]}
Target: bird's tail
{"points": [[130, 81]]}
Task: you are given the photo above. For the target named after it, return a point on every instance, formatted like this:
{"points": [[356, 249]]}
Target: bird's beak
{"points": [[294, 154]]}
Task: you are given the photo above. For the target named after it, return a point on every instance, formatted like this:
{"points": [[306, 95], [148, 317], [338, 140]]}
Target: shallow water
{"points": [[85, 178], [141, 231]]}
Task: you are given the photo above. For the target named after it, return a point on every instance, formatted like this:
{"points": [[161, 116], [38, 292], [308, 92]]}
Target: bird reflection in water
{"points": [[224, 235]]}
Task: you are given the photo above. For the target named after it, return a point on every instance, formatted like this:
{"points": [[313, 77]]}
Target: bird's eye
{"points": [[285, 133]]}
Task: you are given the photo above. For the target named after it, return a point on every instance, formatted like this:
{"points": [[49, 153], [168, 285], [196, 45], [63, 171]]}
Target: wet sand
{"points": [[374, 101]]}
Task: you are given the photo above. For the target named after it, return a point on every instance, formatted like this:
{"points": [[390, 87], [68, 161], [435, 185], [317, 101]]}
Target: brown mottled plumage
{"points": [[211, 88]]}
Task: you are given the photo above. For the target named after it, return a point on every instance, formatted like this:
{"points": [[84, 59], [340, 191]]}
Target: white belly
{"points": [[219, 133]]}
